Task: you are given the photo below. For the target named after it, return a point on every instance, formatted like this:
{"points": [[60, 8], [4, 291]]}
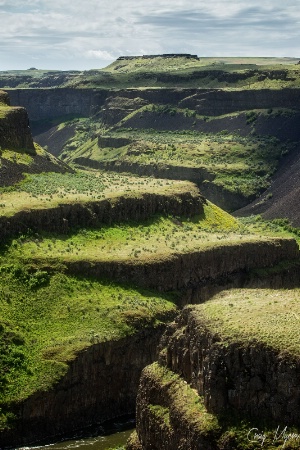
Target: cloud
{"points": [[101, 54], [77, 34], [195, 21], [249, 31]]}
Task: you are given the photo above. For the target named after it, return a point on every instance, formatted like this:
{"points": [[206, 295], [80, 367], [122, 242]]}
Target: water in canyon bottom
{"points": [[111, 436], [94, 443]]}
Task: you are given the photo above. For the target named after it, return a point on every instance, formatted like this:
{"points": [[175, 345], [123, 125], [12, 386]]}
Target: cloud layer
{"points": [[82, 35]]}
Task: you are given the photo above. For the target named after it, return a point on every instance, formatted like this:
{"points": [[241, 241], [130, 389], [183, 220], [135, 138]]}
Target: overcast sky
{"points": [[88, 34]]}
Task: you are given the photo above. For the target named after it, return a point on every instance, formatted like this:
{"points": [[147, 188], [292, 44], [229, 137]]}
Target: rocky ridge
{"points": [[203, 378], [18, 153], [193, 272], [14, 126]]}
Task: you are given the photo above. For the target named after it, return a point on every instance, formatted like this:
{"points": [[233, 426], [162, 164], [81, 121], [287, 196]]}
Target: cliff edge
{"points": [[226, 367], [18, 153]]}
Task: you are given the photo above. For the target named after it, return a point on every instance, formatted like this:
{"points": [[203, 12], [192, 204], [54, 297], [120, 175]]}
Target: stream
{"points": [[111, 436]]}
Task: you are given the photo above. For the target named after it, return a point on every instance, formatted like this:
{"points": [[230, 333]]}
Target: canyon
{"points": [[196, 374]]}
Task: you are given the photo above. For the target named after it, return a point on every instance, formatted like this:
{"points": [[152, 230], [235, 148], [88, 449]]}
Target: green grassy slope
{"points": [[241, 165], [202, 72], [162, 72], [47, 316]]}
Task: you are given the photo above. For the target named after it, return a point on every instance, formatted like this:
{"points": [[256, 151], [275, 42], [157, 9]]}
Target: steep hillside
{"points": [[227, 377], [93, 266], [87, 283], [18, 153], [229, 143], [281, 199]]}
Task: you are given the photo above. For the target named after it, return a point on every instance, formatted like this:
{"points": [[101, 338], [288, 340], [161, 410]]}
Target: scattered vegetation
{"points": [[227, 432], [239, 164], [232, 73], [275, 227], [264, 315], [156, 238], [47, 317], [51, 189]]}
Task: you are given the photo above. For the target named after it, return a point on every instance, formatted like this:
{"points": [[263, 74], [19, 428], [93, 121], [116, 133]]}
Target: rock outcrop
{"points": [[138, 206], [18, 153], [163, 55], [15, 133], [170, 414], [51, 103], [204, 380], [190, 272], [116, 108], [251, 379], [100, 383]]}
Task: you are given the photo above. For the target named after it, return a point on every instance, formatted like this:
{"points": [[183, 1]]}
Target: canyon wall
{"points": [[187, 272], [225, 199], [138, 206], [205, 381], [51, 103], [250, 378], [101, 383], [15, 133], [216, 102]]}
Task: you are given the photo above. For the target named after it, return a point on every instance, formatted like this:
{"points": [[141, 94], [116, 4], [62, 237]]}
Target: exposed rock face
{"points": [[218, 102], [188, 272], [252, 379], [15, 136], [119, 209], [163, 55], [101, 384], [14, 126], [170, 415], [107, 141], [225, 199], [240, 378], [4, 98], [50, 103], [116, 108], [14, 130]]}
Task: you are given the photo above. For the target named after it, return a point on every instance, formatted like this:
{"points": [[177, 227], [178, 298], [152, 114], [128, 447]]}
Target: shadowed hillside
{"points": [[99, 262], [281, 199], [18, 153]]}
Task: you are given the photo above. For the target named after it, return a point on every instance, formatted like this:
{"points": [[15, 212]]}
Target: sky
{"points": [[90, 34]]}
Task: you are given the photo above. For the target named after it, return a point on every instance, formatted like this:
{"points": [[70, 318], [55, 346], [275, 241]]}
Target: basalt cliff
{"points": [[196, 374]]}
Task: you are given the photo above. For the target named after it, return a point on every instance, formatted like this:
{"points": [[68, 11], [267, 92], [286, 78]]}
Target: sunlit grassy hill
{"points": [[173, 70]]}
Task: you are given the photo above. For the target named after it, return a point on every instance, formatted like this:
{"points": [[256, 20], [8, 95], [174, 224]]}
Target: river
{"points": [[115, 434]]}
